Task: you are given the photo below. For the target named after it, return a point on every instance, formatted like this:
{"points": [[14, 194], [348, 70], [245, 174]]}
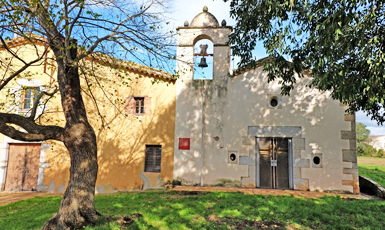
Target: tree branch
{"points": [[97, 42], [35, 132], [26, 65], [36, 102]]}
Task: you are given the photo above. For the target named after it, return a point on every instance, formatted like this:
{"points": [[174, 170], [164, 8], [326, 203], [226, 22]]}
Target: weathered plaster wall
{"points": [[235, 106], [121, 143]]}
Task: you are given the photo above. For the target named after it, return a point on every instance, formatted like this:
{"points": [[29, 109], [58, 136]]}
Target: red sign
{"points": [[184, 143]]}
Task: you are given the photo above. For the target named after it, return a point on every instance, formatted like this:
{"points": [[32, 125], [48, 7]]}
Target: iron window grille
{"points": [[153, 158]]}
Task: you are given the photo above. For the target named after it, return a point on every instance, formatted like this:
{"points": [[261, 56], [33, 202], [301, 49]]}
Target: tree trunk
{"points": [[77, 207]]}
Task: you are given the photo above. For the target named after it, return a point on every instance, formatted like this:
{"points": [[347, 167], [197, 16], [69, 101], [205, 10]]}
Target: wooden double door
{"points": [[274, 170], [23, 167]]}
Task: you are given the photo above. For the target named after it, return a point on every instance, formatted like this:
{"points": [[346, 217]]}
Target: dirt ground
{"points": [[371, 161]]}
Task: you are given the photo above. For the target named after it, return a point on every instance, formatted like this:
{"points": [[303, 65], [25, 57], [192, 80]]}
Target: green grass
{"points": [[374, 172], [178, 210]]}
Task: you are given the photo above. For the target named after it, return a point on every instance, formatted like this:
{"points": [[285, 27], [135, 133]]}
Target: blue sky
{"points": [[182, 10]]}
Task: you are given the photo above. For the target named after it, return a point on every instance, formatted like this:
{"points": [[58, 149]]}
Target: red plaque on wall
{"points": [[184, 143]]}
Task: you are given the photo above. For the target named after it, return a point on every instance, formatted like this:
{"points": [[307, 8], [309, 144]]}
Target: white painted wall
{"points": [[378, 142], [235, 104]]}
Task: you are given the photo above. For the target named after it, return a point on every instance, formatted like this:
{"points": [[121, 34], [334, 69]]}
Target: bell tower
{"points": [[200, 102], [203, 26]]}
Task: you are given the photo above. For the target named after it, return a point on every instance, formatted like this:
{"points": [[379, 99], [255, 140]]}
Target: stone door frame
{"points": [[290, 161], [4, 156]]}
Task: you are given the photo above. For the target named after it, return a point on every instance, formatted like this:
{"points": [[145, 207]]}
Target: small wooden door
{"points": [[23, 167], [273, 163]]}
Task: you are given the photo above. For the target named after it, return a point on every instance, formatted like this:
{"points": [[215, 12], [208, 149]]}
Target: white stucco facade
{"points": [[377, 142], [228, 114]]}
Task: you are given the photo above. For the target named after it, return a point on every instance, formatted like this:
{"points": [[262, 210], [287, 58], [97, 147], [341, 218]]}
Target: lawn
{"points": [[373, 168], [193, 210]]}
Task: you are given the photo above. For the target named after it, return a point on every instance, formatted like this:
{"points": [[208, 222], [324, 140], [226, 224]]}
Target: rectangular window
{"points": [[29, 96], [139, 105], [153, 158]]}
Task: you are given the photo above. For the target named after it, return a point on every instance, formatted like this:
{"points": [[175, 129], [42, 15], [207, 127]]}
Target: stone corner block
{"points": [[350, 171], [301, 184], [51, 187], [299, 143], [61, 188], [301, 163], [146, 181], [42, 188], [349, 117], [349, 155], [350, 182], [297, 173], [44, 165], [248, 140], [45, 146], [251, 171], [348, 134], [248, 182], [352, 144], [246, 160]]}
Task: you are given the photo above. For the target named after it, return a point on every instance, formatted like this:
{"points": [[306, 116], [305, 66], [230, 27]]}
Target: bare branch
{"points": [[97, 42], [35, 132], [36, 102], [75, 19], [26, 65]]}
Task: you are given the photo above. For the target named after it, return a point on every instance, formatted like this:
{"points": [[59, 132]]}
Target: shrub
{"points": [[364, 149], [380, 153]]}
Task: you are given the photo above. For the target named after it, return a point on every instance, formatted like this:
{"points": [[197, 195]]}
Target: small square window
{"points": [[153, 158], [29, 97], [139, 105]]}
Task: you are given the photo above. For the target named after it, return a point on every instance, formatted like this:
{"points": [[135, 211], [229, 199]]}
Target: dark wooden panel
{"points": [[282, 144], [265, 180], [282, 163]]}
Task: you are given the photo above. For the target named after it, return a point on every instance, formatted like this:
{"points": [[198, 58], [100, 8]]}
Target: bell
{"points": [[203, 63]]}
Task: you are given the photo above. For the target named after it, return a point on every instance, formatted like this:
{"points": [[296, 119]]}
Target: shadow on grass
{"points": [[197, 210], [204, 210]]}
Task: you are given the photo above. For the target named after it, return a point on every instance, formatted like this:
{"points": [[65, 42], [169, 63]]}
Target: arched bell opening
{"points": [[203, 58]]}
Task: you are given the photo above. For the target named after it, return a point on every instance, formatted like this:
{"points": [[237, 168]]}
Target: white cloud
{"points": [[372, 125]]}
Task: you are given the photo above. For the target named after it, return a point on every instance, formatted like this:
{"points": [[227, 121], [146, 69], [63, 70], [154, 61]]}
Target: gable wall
{"points": [[236, 111], [121, 144]]}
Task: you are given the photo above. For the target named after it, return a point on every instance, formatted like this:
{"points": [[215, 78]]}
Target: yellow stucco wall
{"points": [[121, 143]]}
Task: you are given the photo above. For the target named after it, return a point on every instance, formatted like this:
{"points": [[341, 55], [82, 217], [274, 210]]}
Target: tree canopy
{"points": [[364, 145], [341, 42], [362, 133]]}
